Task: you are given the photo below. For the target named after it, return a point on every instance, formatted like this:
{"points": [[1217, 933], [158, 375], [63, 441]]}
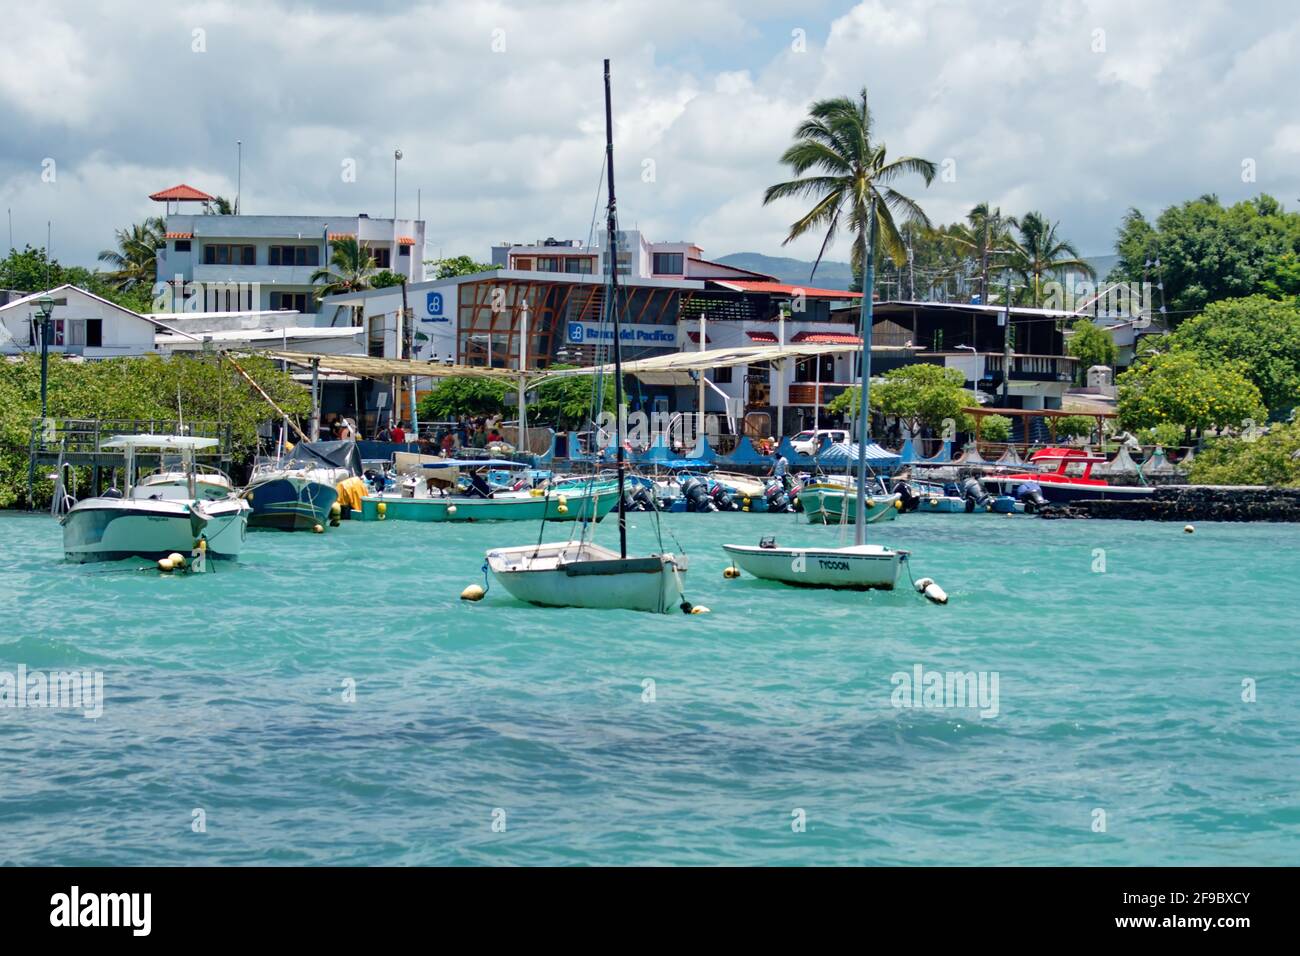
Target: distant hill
{"points": [[838, 275], [830, 275]]}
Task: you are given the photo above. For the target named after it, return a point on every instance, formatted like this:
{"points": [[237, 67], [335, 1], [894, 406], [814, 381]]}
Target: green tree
{"points": [[350, 269], [222, 206], [1091, 345], [465, 395], [995, 428], [1039, 253], [1177, 387], [986, 239], [458, 266], [134, 262], [920, 394], [1075, 426], [1271, 459], [567, 403], [1208, 252], [851, 186], [1259, 334], [384, 279]]}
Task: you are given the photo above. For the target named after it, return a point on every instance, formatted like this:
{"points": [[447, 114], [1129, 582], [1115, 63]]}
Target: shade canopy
{"points": [[159, 441], [366, 367]]}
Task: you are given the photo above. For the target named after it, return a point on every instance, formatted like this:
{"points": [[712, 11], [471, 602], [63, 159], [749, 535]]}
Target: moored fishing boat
{"points": [[297, 493], [833, 503], [1060, 487]]}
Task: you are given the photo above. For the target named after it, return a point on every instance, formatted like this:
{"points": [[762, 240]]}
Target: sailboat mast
{"points": [[611, 253], [864, 406]]}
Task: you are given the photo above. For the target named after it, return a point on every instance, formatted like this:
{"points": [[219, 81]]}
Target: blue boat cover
{"points": [[744, 454], [844, 453]]}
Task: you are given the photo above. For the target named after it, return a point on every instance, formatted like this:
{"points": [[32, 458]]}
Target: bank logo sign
{"points": [[433, 305], [646, 336]]}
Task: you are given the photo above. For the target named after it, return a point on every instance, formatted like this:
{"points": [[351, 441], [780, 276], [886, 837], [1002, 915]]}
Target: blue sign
{"points": [[575, 333], [433, 304], [648, 336]]}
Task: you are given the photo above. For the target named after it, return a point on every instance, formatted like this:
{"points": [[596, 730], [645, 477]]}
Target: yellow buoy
{"points": [[474, 592], [564, 501], [730, 573], [381, 509], [336, 509], [746, 508], [745, 501], [699, 609], [317, 529], [871, 502], [203, 544], [898, 504], [1188, 529], [563, 508]]}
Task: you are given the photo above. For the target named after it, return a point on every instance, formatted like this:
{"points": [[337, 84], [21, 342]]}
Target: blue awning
{"points": [[843, 452], [476, 463]]}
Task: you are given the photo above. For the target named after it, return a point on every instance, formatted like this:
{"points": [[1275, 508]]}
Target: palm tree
{"points": [[852, 185], [350, 267], [1040, 252], [223, 206], [986, 238], [135, 260]]}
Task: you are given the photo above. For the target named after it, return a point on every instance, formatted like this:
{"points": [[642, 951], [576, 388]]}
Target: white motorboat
{"points": [[581, 573], [860, 567], [152, 519]]}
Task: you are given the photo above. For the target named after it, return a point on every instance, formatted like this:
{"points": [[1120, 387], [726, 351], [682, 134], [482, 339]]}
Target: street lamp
{"points": [[45, 306], [397, 154]]}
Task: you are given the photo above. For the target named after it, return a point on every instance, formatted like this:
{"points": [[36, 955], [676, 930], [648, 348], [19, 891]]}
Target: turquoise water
{"points": [[1119, 691]]}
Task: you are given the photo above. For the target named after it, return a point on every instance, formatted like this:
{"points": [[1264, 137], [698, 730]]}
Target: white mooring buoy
{"points": [[931, 590]]}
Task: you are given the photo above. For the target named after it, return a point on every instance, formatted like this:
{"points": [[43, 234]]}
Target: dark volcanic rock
{"points": [[1192, 503]]}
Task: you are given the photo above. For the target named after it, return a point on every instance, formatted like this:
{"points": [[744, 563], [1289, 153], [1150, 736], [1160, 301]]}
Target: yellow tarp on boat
{"points": [[351, 491]]}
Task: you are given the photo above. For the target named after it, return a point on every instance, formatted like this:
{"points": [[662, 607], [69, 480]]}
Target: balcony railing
{"points": [[1032, 368]]}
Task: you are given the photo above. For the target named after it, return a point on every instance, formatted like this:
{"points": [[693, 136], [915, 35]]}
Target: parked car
{"points": [[807, 442]]}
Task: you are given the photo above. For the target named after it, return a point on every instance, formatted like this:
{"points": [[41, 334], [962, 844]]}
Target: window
{"points": [[722, 376], [229, 255], [297, 301], [94, 333], [668, 263], [404, 250], [293, 256], [375, 337], [578, 264], [382, 256], [549, 264], [182, 245], [524, 265]]}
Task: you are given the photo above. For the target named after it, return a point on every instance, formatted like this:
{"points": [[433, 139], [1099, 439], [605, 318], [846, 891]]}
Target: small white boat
{"points": [[583, 574], [155, 519], [858, 567]]}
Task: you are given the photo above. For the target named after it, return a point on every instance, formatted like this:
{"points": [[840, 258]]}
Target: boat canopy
{"points": [[844, 452], [159, 441], [335, 454]]}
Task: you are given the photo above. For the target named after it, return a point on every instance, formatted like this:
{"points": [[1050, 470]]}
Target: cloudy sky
{"points": [[1080, 108]]}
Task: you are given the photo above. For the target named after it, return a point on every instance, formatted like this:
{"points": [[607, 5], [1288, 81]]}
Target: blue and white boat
{"points": [[296, 493]]}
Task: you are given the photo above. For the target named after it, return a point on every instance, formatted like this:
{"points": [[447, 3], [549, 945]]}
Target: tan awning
{"points": [[366, 367], [676, 368]]}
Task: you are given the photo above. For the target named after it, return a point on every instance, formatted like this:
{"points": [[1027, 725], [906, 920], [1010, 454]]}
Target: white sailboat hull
{"points": [[572, 574], [861, 567]]}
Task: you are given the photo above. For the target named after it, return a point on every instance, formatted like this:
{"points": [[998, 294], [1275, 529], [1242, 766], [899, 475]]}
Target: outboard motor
{"points": [[976, 497], [909, 499], [722, 498], [696, 493], [1031, 494], [778, 499], [645, 500]]}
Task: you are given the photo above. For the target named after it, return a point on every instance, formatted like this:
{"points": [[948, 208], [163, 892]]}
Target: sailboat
{"points": [[860, 566], [582, 573]]}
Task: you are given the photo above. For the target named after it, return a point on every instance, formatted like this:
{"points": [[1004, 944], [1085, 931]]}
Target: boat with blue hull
{"points": [[298, 492]]}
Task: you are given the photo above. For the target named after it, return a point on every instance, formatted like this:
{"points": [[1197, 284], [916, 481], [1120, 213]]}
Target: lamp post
{"points": [[45, 306], [397, 154]]}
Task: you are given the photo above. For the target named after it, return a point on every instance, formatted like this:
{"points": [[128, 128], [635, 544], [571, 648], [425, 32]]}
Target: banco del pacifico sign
{"points": [[651, 336]]}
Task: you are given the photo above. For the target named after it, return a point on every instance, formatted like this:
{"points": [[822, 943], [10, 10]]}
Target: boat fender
{"points": [[382, 509], [336, 510], [731, 573], [165, 565], [898, 504], [474, 592], [451, 509], [1188, 529], [317, 529], [871, 502], [564, 501], [699, 609], [931, 590], [562, 509], [177, 559]]}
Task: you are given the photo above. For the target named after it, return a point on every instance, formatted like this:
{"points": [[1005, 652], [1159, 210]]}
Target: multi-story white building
{"points": [[236, 263], [637, 258]]}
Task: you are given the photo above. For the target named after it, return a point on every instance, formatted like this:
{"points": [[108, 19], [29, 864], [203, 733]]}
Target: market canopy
{"points": [[365, 366], [676, 368]]}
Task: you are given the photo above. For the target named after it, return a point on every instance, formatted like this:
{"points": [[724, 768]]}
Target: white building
{"points": [[219, 263], [82, 324], [637, 258]]}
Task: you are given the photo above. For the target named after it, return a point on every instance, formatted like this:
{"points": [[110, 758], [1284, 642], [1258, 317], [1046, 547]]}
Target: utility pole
{"points": [[239, 175], [1006, 345]]}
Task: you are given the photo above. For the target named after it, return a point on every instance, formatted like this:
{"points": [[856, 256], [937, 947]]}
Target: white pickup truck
{"points": [[807, 442]]}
